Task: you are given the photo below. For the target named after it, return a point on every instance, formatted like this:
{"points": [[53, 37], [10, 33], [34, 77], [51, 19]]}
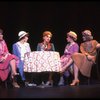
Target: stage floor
{"points": [[80, 91]]}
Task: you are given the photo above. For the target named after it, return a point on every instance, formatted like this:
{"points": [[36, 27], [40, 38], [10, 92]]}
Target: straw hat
{"points": [[72, 34]]}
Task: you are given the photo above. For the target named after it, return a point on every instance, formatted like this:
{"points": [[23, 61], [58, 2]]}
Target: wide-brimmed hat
{"points": [[72, 34], [86, 32], [21, 34], [47, 33]]}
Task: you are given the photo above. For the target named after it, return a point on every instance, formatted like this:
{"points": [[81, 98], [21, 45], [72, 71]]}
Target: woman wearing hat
{"points": [[83, 61], [7, 61], [70, 49], [19, 49], [46, 45]]}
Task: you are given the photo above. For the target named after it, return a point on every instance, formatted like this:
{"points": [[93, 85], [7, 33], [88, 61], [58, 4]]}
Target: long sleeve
{"points": [[53, 48], [15, 50], [38, 47]]}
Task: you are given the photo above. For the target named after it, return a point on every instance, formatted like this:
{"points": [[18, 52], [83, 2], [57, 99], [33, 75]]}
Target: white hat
{"points": [[21, 34]]}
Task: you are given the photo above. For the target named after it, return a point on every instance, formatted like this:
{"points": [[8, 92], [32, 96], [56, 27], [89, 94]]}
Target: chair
{"points": [[96, 66], [8, 81]]}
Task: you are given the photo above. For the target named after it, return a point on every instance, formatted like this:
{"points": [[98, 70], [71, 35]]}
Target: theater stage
{"points": [[80, 91]]}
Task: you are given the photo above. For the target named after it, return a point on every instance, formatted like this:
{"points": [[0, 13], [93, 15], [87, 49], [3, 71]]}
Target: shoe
{"points": [[15, 85], [42, 83], [75, 82], [31, 84], [14, 81], [61, 82], [26, 83], [47, 83]]}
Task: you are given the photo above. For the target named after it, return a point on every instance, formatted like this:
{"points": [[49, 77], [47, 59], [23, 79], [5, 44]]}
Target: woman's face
{"points": [[68, 38], [84, 38], [1, 37], [47, 38], [26, 38]]}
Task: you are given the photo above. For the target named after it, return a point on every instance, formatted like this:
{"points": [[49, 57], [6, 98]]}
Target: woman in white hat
{"points": [[19, 49]]}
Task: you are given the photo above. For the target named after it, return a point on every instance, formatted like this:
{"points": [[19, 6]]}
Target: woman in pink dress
{"points": [[8, 62]]}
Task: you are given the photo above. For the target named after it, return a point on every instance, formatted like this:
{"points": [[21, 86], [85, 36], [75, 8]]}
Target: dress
{"points": [[5, 65], [69, 50], [81, 60]]}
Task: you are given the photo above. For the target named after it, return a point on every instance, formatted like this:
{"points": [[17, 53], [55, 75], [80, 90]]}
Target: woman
{"points": [[83, 61], [8, 62], [71, 48], [19, 49], [46, 45]]}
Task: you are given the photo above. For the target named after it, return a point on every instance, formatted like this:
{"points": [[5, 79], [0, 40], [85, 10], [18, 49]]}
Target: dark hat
{"points": [[86, 32]]}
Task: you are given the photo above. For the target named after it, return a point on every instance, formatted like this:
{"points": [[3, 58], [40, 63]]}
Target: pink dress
{"points": [[5, 65]]}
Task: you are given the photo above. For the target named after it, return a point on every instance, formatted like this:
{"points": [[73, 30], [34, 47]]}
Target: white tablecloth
{"points": [[40, 61]]}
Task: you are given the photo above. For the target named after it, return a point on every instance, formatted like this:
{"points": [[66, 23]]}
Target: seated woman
{"points": [[46, 45], [70, 48], [19, 49], [7, 61]]}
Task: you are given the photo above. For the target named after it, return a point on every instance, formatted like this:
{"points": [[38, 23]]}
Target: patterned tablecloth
{"points": [[40, 61]]}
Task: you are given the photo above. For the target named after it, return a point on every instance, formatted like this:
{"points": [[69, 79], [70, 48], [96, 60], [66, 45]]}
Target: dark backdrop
{"points": [[58, 17]]}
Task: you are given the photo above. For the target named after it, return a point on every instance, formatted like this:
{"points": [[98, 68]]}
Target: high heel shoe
{"points": [[75, 82], [14, 81]]}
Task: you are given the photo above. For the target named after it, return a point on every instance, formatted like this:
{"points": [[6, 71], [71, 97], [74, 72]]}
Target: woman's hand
{"points": [[98, 45], [2, 59], [91, 58]]}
